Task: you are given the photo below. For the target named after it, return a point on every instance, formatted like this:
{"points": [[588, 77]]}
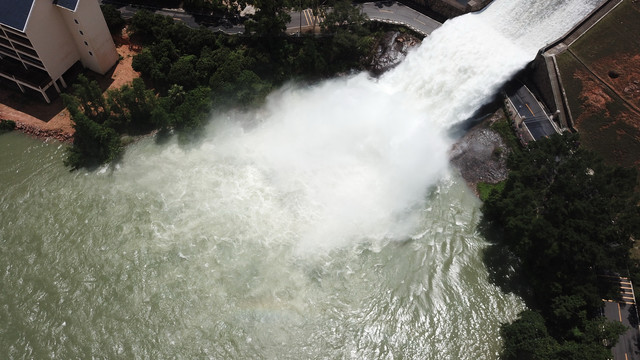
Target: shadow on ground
{"points": [[503, 266]]}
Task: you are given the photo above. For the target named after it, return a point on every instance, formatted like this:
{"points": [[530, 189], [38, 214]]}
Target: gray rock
{"points": [[481, 155], [391, 49]]}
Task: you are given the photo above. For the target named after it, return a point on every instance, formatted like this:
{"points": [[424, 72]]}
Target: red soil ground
{"points": [[612, 99]]}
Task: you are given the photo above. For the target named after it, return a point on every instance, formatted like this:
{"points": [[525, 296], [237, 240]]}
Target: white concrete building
{"points": [[40, 40]]}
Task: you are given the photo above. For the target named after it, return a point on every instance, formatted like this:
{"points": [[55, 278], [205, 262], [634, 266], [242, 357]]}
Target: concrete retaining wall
{"points": [[546, 76]]}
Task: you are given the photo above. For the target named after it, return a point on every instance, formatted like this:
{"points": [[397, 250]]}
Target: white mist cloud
{"points": [[349, 159], [355, 158]]}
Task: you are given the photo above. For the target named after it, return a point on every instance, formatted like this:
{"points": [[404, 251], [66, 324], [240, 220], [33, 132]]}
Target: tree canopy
{"points": [[100, 119], [565, 217], [193, 70]]}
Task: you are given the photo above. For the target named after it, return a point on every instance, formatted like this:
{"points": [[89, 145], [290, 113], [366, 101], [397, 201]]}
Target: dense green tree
{"points": [[7, 125], [310, 60], [183, 72], [267, 29], [193, 69], [198, 39], [113, 17], [528, 338], [565, 216], [156, 63], [93, 143], [204, 6], [90, 99], [350, 36], [131, 108], [569, 310], [234, 80], [206, 65], [346, 16], [270, 20], [190, 115], [147, 25], [143, 62]]}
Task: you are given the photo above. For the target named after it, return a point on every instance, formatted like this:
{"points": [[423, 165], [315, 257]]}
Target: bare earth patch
{"points": [[39, 119], [610, 111], [593, 96]]}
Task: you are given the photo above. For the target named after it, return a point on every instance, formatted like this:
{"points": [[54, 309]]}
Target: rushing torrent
{"points": [[324, 225]]}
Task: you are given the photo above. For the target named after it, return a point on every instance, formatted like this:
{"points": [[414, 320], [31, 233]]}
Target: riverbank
{"points": [[53, 121]]}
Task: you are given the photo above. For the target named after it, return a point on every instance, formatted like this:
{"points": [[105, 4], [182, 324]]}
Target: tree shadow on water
{"points": [[503, 266]]}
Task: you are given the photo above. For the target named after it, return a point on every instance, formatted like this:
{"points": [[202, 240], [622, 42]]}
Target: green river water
{"points": [[325, 225], [124, 264]]}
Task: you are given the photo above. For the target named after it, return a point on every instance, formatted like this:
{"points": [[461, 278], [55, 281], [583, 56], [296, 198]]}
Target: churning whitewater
{"points": [[324, 225]]}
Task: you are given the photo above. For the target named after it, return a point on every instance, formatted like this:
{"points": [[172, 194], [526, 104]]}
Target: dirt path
{"points": [[39, 119]]}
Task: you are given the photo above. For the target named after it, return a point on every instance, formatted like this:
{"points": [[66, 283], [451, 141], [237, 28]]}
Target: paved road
{"points": [[303, 20], [394, 12], [535, 118], [180, 15], [624, 311], [627, 346]]}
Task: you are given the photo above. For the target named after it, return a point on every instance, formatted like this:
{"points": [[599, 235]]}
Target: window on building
{"points": [[25, 49], [31, 61], [90, 53], [9, 52], [19, 38], [81, 33], [86, 43], [76, 20]]}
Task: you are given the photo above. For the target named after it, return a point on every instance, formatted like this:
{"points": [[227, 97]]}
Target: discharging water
{"points": [[325, 225]]}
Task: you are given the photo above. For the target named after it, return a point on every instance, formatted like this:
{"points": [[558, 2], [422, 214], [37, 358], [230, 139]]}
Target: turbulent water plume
{"points": [[323, 225], [352, 158]]}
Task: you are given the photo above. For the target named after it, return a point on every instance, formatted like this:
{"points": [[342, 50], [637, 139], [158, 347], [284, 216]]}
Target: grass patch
{"points": [[616, 33], [503, 127], [603, 132], [613, 140], [485, 189], [608, 131]]}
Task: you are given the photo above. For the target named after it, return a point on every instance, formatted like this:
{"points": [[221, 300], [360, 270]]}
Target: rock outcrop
{"points": [[481, 154], [391, 49]]}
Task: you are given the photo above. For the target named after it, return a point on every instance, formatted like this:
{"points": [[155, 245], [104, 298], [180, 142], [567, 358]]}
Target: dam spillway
{"points": [[326, 224]]}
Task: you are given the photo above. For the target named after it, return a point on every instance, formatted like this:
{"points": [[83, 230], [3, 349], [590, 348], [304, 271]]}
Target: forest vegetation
{"points": [[7, 125], [562, 220], [193, 71]]}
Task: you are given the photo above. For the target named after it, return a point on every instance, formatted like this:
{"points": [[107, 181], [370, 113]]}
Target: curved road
{"points": [[384, 11], [397, 13], [390, 12]]}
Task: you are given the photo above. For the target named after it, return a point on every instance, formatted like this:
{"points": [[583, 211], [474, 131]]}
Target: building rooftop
{"points": [[15, 13], [67, 4]]}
